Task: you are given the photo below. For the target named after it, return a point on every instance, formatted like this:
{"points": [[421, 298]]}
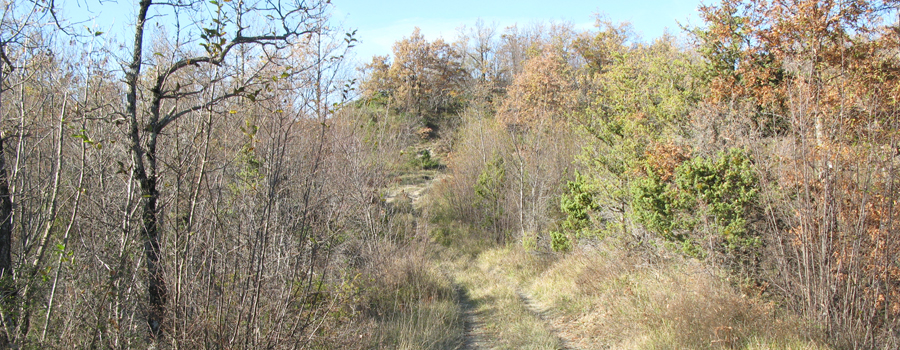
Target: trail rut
{"points": [[483, 318]]}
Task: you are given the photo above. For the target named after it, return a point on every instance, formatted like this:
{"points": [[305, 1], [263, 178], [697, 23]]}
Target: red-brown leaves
{"points": [[541, 94]]}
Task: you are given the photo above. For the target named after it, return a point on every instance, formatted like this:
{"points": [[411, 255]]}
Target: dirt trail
{"points": [[497, 314], [413, 188], [480, 292], [540, 312], [474, 328]]}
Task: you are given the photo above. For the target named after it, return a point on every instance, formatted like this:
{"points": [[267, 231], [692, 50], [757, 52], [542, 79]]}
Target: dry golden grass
{"points": [[505, 321], [399, 300], [586, 299], [602, 298], [419, 305]]}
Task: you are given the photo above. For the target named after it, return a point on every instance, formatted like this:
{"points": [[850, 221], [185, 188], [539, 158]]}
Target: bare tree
{"points": [[21, 49], [259, 28]]}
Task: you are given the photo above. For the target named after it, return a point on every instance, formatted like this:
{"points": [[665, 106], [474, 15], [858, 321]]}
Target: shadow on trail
{"points": [[474, 336]]}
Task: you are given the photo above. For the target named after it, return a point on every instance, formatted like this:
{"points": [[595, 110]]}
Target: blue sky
{"points": [[380, 24]]}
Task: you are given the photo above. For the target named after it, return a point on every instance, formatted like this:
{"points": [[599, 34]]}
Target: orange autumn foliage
{"points": [[541, 94]]}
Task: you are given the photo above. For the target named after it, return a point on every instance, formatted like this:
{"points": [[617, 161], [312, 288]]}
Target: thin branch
{"points": [[209, 104]]}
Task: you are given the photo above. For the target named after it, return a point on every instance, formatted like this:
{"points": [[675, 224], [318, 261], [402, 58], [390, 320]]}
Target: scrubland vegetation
{"points": [[227, 179]]}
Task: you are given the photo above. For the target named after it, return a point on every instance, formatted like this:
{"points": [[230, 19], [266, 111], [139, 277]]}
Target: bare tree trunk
{"points": [[65, 243], [156, 286], [7, 285], [44, 240], [156, 309], [8, 291]]}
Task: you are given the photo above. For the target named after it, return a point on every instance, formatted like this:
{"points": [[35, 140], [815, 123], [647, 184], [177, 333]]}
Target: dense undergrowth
{"points": [[731, 189], [730, 186], [401, 301], [602, 298]]}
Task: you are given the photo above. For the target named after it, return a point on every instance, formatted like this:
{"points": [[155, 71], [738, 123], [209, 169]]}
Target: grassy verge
{"points": [[601, 298], [421, 297], [504, 320], [398, 299]]}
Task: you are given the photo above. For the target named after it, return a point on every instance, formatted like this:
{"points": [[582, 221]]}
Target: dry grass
{"points": [[400, 300], [589, 299], [505, 321], [418, 308], [602, 298]]}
